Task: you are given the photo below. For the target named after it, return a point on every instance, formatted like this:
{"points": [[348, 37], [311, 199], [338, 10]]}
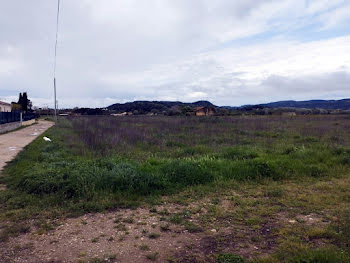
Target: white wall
{"points": [[5, 108]]}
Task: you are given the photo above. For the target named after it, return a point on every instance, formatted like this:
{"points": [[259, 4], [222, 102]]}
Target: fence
{"points": [[7, 117], [30, 116]]}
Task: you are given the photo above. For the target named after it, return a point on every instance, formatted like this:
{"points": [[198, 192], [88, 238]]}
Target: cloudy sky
{"points": [[229, 52]]}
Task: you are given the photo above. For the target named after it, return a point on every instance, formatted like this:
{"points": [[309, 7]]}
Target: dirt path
{"points": [[13, 142]]}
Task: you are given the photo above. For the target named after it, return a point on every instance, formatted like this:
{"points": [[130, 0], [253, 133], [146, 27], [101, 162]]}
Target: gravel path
{"points": [[13, 142]]}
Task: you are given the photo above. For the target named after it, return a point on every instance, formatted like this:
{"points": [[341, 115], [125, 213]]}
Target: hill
{"points": [[343, 104], [144, 107]]}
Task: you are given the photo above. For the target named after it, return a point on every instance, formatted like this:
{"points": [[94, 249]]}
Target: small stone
{"points": [[213, 230]]}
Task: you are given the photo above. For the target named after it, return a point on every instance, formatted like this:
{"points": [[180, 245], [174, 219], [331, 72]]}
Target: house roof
{"points": [[204, 108], [4, 103]]}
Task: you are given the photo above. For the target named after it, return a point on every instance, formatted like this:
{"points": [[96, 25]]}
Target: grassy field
{"points": [[265, 176]]}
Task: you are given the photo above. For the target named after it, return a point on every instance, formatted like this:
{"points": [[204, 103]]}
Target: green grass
{"points": [[229, 258], [51, 175], [261, 168]]}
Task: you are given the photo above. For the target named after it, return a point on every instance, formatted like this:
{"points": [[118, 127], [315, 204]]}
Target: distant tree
{"points": [[24, 102], [20, 100], [186, 110]]}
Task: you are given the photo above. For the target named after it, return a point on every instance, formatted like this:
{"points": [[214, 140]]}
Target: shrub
{"points": [[176, 219], [164, 228], [315, 170], [252, 170], [290, 150], [186, 173], [229, 258], [12, 231], [346, 160], [192, 228], [152, 256], [126, 177], [153, 236]]}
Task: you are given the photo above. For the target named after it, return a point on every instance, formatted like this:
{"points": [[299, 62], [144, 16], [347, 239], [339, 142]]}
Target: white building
{"points": [[5, 107]]}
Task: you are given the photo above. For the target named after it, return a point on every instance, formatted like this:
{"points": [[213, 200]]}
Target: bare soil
{"points": [[126, 236]]}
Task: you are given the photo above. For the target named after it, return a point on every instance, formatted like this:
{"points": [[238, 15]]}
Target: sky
{"points": [[228, 52]]}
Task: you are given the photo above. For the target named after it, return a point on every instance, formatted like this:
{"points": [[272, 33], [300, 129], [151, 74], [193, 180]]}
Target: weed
{"points": [[321, 255], [153, 236], [144, 247], [192, 228], [164, 212], [121, 227], [13, 231], [95, 240], [128, 220], [152, 256], [164, 228], [229, 258], [176, 219], [153, 210]]}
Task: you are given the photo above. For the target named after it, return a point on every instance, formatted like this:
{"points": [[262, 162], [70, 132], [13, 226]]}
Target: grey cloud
{"points": [[334, 82], [102, 41]]}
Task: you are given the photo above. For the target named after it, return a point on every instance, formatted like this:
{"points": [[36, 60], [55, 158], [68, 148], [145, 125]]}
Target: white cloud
{"points": [[9, 61], [113, 51], [234, 75], [336, 16]]}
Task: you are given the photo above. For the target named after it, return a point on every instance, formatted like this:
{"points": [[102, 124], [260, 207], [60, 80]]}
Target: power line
{"points": [[55, 60]]}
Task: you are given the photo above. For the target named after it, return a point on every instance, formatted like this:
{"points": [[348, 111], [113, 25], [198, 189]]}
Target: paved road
{"points": [[13, 142]]}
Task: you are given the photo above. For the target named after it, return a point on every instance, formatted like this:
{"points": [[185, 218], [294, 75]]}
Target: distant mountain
{"points": [[343, 104], [143, 107]]}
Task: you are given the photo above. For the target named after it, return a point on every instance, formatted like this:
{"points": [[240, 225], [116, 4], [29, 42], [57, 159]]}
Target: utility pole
{"points": [[54, 78], [54, 84]]}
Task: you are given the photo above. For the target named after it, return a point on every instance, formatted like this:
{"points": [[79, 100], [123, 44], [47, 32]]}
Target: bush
{"points": [[315, 170], [85, 179], [186, 173], [127, 177], [346, 160], [192, 228], [252, 170], [229, 258]]}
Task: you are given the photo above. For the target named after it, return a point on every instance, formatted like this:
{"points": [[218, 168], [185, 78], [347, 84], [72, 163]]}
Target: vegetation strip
{"points": [[99, 163]]}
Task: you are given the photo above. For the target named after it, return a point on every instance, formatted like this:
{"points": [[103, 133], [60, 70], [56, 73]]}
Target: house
{"points": [[5, 107], [205, 111], [289, 113], [122, 114]]}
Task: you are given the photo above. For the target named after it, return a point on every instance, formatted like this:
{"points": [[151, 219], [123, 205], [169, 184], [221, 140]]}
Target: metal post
{"points": [[54, 74], [54, 84]]}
